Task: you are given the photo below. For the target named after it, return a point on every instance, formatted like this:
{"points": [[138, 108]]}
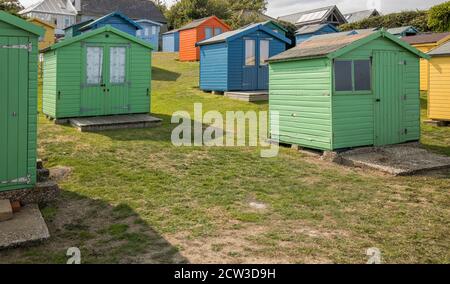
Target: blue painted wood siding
{"points": [[118, 23], [150, 33], [171, 42], [301, 38], [214, 67]]}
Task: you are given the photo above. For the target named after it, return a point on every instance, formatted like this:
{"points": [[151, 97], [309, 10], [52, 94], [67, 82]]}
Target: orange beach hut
{"points": [[196, 31]]}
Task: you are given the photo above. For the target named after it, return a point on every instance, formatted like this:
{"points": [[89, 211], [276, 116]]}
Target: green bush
{"points": [[439, 17], [418, 19]]}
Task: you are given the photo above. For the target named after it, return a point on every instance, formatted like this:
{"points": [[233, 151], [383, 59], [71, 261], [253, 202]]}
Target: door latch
{"points": [[378, 100], [14, 114]]}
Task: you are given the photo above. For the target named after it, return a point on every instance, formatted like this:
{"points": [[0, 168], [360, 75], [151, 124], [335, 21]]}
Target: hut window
{"points": [[263, 52], [343, 75], [94, 64], [208, 33], [117, 65], [362, 75], [217, 31], [250, 59]]}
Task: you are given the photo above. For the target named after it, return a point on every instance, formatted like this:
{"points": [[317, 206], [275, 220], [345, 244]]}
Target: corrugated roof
{"points": [[396, 31], [426, 38], [441, 50], [135, 9], [62, 7], [310, 29], [319, 46], [360, 15]]}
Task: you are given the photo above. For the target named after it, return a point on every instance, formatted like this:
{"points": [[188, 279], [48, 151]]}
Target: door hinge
{"points": [[22, 180], [28, 46]]}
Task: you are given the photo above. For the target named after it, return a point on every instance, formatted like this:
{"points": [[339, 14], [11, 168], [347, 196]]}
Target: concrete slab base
{"points": [[101, 123], [43, 192], [248, 96], [6, 211], [25, 227], [399, 160], [438, 123]]}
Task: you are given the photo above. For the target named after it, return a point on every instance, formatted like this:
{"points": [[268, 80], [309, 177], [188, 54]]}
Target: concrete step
{"points": [[43, 175], [112, 122], [6, 212]]}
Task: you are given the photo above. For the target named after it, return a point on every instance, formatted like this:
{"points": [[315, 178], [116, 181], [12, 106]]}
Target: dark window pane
{"points": [[343, 75], [362, 75]]}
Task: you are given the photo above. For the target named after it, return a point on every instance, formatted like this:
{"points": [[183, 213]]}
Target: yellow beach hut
{"points": [[49, 38], [439, 84], [426, 42]]}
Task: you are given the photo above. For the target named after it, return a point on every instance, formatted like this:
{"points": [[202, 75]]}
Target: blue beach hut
{"points": [[237, 60], [171, 41], [150, 32], [116, 20], [306, 32]]}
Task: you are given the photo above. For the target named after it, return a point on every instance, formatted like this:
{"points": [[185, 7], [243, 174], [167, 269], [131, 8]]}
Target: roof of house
{"points": [[22, 24], [332, 47], [400, 30], [312, 16], [41, 22], [426, 38], [310, 29], [360, 15], [62, 7], [443, 49], [171, 32], [228, 36], [114, 14], [95, 32], [199, 22], [81, 24], [148, 22], [260, 17], [135, 9]]}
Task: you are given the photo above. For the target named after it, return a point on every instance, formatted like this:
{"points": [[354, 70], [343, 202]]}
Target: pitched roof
{"points": [[135, 9], [22, 24], [312, 16], [227, 36], [114, 14], [80, 24], [320, 46], [259, 17], [360, 15], [62, 7], [426, 38], [92, 33], [41, 22], [310, 29], [148, 22], [198, 22], [400, 30], [171, 32], [443, 49]]}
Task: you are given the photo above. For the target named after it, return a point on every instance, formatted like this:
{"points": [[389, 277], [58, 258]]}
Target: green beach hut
{"points": [[18, 101], [337, 92], [101, 72]]}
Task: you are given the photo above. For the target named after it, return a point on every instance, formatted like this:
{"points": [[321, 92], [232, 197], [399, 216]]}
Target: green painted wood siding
{"points": [[300, 91], [353, 114], [70, 79]]}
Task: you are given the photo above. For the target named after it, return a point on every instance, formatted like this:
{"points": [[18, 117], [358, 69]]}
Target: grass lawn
{"points": [[130, 196]]}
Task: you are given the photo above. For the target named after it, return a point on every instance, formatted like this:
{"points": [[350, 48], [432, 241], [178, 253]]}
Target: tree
{"points": [[230, 11], [439, 17], [11, 6]]}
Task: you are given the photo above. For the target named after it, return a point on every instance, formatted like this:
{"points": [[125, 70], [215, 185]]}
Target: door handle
{"points": [[378, 100], [103, 85], [14, 114]]}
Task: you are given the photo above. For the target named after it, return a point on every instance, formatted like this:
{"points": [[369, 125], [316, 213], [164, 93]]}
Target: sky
{"points": [[278, 8]]}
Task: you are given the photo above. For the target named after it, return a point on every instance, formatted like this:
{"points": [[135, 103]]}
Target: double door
{"points": [[256, 70], [106, 80]]}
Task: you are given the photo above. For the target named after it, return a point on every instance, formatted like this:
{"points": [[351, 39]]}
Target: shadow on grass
{"points": [[159, 74], [104, 234]]}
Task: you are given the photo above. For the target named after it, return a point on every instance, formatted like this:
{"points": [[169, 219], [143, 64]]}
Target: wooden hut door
{"points": [[94, 87], [116, 79], [250, 69], [14, 53], [388, 70], [263, 71]]}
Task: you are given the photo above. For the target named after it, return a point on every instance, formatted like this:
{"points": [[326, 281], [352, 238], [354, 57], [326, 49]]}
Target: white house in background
{"points": [[361, 15], [325, 15], [61, 13]]}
